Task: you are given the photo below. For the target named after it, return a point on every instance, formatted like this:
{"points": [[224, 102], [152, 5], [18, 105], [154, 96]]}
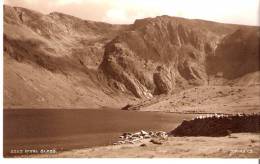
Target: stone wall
{"points": [[218, 125]]}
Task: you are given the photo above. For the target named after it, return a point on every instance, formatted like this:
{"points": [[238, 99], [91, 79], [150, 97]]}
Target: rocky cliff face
{"points": [[95, 64], [163, 81], [238, 53], [183, 48]]}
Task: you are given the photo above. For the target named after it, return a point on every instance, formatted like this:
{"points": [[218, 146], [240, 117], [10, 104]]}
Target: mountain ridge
{"points": [[95, 64]]}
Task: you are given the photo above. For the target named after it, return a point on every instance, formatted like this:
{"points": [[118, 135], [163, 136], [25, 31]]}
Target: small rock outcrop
{"points": [[218, 125], [156, 141], [163, 81], [130, 107]]}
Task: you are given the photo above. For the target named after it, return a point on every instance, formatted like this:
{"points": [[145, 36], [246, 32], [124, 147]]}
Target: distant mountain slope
{"points": [[51, 60], [60, 61]]}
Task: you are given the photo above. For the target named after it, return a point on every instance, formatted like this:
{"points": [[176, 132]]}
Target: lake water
{"points": [[48, 129]]}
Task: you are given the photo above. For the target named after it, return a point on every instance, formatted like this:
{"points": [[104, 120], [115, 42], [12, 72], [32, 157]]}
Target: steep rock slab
{"points": [[120, 66], [181, 46]]}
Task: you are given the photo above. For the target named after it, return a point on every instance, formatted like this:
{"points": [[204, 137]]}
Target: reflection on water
{"points": [[78, 128]]}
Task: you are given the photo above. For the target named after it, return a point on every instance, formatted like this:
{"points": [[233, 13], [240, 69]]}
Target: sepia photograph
{"points": [[131, 79]]}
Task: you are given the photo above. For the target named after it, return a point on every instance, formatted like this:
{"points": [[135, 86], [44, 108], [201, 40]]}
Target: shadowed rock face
{"points": [[238, 53], [96, 64]]}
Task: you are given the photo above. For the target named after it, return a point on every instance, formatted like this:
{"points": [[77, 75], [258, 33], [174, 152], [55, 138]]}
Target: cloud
{"points": [[116, 15], [126, 11]]}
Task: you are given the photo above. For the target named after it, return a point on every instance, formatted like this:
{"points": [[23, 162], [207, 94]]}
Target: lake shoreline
{"points": [[70, 129], [238, 145]]}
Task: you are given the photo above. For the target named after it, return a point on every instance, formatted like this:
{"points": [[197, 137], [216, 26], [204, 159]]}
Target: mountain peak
{"points": [[116, 62]]}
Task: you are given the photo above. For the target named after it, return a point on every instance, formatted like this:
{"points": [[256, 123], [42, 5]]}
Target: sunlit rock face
{"points": [[183, 50], [163, 81]]}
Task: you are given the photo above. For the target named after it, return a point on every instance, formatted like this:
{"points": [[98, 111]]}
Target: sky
{"points": [[126, 11]]}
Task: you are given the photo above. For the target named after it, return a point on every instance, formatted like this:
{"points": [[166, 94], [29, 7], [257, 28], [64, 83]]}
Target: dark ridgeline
{"points": [[219, 125]]}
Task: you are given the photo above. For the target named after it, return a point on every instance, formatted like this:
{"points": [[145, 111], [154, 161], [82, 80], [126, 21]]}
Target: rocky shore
{"points": [[138, 137], [238, 145]]}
